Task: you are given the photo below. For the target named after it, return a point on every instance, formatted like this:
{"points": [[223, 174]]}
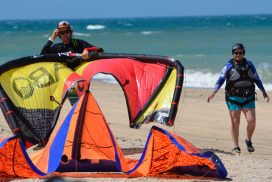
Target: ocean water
{"points": [[201, 44]]}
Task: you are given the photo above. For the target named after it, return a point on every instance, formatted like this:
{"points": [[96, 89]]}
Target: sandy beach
{"points": [[206, 125]]}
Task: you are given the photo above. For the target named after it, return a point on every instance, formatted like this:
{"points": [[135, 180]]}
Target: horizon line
{"points": [[138, 17]]}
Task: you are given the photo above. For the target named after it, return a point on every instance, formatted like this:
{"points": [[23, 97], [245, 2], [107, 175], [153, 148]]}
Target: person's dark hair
{"points": [[238, 46]]}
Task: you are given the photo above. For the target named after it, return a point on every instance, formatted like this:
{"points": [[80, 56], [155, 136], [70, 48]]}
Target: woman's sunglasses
{"points": [[64, 32], [240, 53]]}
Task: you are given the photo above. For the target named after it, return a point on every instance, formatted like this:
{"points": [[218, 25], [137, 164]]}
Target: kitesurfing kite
{"points": [[33, 89]]}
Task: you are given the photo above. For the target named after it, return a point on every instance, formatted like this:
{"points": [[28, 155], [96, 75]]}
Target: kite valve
{"points": [[52, 98]]}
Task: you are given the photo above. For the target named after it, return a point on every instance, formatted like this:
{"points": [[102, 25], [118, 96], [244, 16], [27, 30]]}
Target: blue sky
{"points": [[66, 9]]}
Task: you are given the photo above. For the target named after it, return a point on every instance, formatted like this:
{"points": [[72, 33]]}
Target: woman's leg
{"points": [[250, 115], [235, 123]]}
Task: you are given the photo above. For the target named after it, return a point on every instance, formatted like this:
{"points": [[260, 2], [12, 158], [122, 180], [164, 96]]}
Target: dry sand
{"points": [[206, 125]]}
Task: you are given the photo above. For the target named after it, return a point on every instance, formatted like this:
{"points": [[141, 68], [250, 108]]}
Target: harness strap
{"points": [[241, 92], [239, 103]]}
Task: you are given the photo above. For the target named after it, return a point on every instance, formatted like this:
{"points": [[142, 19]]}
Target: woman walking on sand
{"points": [[241, 77]]}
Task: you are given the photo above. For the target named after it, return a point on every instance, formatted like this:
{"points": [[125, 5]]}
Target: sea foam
{"points": [[95, 27], [192, 79]]}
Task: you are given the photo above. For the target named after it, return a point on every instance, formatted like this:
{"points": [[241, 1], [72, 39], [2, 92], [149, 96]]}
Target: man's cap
{"points": [[64, 24]]}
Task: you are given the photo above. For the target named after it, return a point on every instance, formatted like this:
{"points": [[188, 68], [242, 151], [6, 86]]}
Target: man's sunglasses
{"points": [[64, 32]]}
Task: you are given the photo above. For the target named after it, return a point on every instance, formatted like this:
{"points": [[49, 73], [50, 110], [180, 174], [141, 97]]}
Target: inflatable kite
{"points": [[33, 89]]}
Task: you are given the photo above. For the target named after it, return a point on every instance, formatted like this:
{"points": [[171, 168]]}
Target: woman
{"points": [[241, 77]]}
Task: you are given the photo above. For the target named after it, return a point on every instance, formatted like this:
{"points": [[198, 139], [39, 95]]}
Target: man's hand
{"points": [[85, 54], [54, 35]]}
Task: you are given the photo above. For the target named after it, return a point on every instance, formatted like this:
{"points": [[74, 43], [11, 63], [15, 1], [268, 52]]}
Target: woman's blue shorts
{"points": [[233, 106]]}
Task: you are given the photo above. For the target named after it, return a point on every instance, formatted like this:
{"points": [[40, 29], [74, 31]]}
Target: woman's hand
{"points": [[211, 96], [266, 96]]}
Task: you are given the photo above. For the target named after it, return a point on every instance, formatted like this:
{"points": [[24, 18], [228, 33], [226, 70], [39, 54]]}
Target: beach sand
{"points": [[205, 125]]}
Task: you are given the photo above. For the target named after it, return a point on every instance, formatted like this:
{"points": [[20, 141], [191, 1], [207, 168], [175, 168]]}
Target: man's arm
{"points": [[47, 48], [88, 48]]}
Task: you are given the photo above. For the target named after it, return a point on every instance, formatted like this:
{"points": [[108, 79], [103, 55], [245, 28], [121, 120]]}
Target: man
{"points": [[69, 44]]}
